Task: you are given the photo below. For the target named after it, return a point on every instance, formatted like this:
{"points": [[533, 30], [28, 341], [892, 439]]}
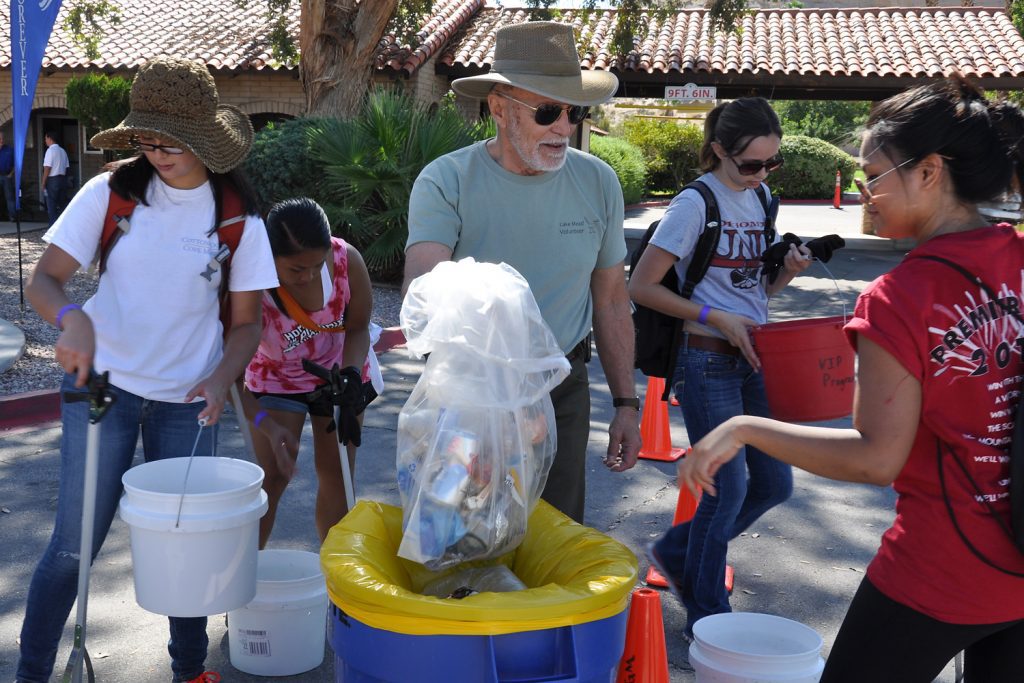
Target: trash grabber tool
{"points": [[100, 401], [236, 403]]}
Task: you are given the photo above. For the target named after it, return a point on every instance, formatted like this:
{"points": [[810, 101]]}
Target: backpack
{"points": [[658, 335], [229, 233]]}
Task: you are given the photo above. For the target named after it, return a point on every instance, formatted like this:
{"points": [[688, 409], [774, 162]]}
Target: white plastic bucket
{"points": [[283, 630], [746, 647], [206, 564]]}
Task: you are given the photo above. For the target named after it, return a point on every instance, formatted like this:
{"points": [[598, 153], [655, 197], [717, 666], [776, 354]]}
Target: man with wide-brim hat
{"points": [[526, 198]]}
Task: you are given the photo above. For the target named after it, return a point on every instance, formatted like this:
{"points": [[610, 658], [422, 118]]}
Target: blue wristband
{"points": [[259, 418], [66, 308], [703, 317]]}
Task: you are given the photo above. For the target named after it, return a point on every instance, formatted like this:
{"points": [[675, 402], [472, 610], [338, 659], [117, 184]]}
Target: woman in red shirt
{"points": [[938, 379]]}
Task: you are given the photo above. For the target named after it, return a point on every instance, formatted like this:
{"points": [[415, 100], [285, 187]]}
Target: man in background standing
{"points": [[55, 182], [7, 175]]}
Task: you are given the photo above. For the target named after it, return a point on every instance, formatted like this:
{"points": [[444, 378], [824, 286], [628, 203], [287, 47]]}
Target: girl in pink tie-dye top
{"points": [[321, 313]]}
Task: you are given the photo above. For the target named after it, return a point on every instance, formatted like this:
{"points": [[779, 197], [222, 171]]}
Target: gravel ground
{"points": [[36, 369]]}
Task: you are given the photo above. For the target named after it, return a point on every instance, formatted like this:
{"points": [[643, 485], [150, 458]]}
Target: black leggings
{"points": [[882, 641]]}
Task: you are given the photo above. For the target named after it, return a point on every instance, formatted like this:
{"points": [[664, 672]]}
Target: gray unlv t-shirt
{"points": [[733, 283]]}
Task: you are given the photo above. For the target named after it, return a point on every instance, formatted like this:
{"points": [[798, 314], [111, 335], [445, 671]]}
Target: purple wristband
{"points": [[65, 309], [259, 418], [703, 317]]}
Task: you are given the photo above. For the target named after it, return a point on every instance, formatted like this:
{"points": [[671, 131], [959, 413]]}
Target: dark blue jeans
{"points": [[56, 196], [8, 183], [168, 431], [711, 388]]}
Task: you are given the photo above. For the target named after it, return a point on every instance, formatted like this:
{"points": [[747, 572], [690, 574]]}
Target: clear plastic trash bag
{"points": [[477, 436]]}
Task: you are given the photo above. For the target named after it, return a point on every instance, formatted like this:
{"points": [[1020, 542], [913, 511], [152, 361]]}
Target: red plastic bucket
{"points": [[808, 368]]}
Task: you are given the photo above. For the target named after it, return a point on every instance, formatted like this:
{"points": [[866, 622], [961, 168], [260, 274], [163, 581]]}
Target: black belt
{"points": [[581, 350], [713, 344]]}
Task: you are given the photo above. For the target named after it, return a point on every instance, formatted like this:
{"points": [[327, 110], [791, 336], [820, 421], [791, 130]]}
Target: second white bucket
{"points": [[746, 647], [204, 563], [282, 632]]}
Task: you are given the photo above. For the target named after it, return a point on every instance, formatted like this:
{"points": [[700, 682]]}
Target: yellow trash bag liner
{"points": [[574, 575]]}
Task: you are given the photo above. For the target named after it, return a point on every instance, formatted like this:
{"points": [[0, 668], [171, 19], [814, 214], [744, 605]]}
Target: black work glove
{"points": [[823, 247], [775, 255], [348, 397]]}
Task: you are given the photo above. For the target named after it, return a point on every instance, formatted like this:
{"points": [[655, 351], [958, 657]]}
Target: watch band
{"points": [[631, 402]]}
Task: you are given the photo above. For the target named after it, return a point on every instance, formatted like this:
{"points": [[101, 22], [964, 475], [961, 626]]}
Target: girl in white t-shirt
{"points": [[717, 374], [154, 323]]}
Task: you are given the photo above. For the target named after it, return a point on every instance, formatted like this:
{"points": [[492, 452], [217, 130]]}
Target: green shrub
{"points": [[671, 150], [371, 162], [281, 164], [97, 100], [833, 121], [628, 162], [810, 168]]}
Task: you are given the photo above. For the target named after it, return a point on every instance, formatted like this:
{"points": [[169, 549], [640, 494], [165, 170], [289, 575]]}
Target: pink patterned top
{"points": [[277, 366]]}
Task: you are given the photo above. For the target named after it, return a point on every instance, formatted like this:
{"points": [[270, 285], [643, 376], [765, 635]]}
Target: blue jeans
{"points": [[168, 431], [8, 183], [711, 388], [56, 196]]}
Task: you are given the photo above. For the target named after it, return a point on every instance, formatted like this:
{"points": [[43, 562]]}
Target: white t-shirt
{"points": [[157, 322], [735, 281], [57, 159]]}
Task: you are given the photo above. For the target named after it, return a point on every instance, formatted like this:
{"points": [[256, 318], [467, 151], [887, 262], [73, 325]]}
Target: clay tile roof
{"points": [[909, 43], [447, 18], [218, 33]]}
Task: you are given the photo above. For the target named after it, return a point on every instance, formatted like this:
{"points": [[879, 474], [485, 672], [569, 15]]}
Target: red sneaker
{"points": [[206, 677]]}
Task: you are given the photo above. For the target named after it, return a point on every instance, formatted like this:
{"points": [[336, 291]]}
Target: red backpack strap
{"points": [[231, 224], [115, 223]]}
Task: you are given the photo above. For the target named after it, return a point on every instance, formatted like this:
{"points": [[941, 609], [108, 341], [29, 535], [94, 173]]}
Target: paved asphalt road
{"points": [[803, 560]]}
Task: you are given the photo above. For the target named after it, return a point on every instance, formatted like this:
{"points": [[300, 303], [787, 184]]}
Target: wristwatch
{"points": [[630, 402]]}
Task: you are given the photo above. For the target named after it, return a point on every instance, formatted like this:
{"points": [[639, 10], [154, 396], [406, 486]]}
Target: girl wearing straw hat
{"points": [[939, 344], [153, 323]]}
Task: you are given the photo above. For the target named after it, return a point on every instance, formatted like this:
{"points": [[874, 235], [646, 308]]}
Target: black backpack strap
{"points": [[707, 242], [770, 205]]}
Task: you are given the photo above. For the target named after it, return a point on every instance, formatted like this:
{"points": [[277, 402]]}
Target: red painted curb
{"points": [[33, 408], [30, 408]]}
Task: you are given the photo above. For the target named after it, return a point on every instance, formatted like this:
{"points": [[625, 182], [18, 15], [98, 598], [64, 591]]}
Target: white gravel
{"points": [[36, 369]]}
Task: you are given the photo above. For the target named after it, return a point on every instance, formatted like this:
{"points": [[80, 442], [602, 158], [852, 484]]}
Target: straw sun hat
{"points": [[176, 100], [540, 56]]}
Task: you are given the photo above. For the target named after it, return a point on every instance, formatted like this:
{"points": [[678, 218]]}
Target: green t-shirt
{"points": [[554, 228]]}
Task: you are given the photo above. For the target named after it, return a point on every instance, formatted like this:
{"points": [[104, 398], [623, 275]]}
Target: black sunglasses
{"points": [[754, 167], [546, 114], [148, 147]]}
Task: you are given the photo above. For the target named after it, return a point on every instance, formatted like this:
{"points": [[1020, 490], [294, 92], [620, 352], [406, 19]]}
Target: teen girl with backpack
{"points": [[320, 313], [717, 373], [938, 379], [154, 323]]}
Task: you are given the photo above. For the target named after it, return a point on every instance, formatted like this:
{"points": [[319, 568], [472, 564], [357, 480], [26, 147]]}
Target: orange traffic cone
{"points": [[656, 438], [686, 506], [838, 196], [645, 659]]}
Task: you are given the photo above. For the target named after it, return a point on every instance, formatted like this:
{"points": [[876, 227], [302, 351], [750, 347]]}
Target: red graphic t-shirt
{"points": [[277, 365], [968, 355]]}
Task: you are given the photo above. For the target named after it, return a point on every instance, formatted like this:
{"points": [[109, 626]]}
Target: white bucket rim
{"points": [[705, 630], [127, 479], [164, 521]]}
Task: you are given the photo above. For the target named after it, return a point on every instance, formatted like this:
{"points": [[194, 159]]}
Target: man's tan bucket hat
{"points": [[540, 56]]}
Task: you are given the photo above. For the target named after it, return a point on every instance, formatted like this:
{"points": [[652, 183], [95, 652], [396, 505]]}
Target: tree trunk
{"points": [[337, 41]]}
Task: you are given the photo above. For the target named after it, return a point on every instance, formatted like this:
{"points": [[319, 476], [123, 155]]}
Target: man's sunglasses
{"points": [[546, 114], [149, 147], [754, 167]]}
